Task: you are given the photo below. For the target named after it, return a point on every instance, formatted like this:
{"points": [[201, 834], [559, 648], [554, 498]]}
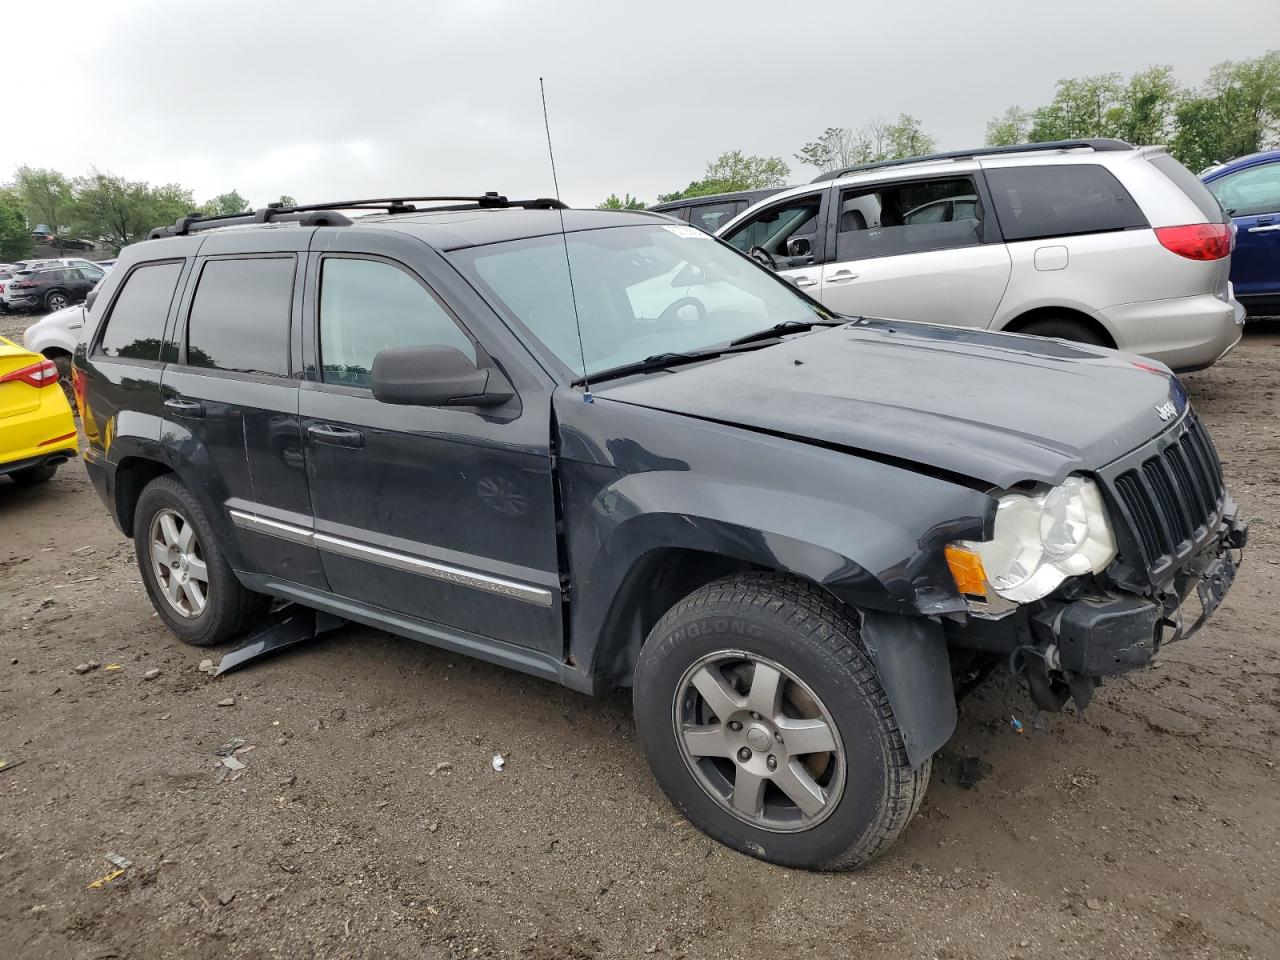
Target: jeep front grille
{"points": [[1171, 494]]}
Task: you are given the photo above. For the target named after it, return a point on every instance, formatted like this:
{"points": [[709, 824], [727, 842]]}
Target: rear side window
{"points": [[1190, 184], [239, 317], [135, 326], [1055, 200], [367, 306]]}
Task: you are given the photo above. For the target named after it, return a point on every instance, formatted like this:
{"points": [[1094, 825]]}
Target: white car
{"points": [[54, 336], [1094, 241]]}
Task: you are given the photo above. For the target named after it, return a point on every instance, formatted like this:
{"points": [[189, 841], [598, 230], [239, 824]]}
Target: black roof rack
{"points": [[1099, 144], [328, 215]]}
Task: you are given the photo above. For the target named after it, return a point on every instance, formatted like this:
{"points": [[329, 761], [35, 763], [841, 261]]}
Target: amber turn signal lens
{"points": [[966, 570]]}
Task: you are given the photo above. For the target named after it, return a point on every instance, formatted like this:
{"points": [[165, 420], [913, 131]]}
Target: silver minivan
{"points": [[1094, 241]]}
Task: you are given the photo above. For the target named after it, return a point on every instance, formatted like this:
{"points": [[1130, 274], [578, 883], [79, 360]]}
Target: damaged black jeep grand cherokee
{"points": [[626, 455]]}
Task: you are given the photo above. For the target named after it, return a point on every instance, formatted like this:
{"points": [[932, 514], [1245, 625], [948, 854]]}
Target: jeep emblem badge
{"points": [[1166, 410]]}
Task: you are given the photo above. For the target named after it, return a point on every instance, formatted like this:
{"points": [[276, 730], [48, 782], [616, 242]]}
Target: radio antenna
{"points": [[564, 237]]}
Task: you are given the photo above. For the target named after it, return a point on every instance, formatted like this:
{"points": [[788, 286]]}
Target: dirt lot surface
{"points": [[369, 821]]}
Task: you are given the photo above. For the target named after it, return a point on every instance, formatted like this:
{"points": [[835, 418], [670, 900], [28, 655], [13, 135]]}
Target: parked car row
{"points": [[47, 285]]}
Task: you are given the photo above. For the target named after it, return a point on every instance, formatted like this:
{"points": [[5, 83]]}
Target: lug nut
{"points": [[772, 761], [744, 754], [754, 715], [735, 725], [777, 736]]}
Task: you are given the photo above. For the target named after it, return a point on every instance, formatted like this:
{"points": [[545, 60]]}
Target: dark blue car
{"points": [[1249, 190]]}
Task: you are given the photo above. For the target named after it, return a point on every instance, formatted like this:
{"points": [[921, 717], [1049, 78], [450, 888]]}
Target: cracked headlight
{"points": [[1037, 543]]}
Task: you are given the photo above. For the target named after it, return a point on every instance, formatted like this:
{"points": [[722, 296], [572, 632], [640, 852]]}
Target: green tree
{"points": [[1081, 107], [734, 170], [1009, 128], [628, 202], [1235, 112], [123, 211], [15, 236], [287, 201], [46, 194], [1145, 111], [223, 204], [880, 139]]}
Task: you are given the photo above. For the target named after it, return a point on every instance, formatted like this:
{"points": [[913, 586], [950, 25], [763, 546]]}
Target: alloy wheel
{"points": [[57, 302], [759, 741], [178, 563]]}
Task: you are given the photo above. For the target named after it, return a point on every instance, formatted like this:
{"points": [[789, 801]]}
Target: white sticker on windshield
{"points": [[689, 233]]}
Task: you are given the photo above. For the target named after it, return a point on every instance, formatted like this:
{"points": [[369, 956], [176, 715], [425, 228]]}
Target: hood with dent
{"points": [[996, 408]]}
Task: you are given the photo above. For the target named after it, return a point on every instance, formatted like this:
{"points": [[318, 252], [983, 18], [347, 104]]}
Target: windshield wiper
{"points": [[789, 326], [660, 361]]}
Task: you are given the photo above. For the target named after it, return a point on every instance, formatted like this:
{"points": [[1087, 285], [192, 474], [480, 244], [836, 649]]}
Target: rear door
{"points": [[442, 514], [918, 249], [231, 398], [1252, 199]]}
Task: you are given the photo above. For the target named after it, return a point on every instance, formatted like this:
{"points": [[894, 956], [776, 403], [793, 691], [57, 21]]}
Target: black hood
{"points": [[993, 407]]}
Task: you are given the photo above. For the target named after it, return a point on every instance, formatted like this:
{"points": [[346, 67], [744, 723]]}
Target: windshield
{"points": [[641, 291]]}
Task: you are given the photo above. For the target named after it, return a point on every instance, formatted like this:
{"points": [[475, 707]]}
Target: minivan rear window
{"points": [[135, 327], [1192, 186], [239, 318], [1059, 200]]}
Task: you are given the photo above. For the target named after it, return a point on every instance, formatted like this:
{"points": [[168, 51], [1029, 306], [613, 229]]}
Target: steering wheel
{"points": [[670, 317], [763, 257]]}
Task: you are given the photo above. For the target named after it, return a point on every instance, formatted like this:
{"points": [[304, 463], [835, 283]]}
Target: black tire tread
{"points": [[815, 617], [233, 609]]}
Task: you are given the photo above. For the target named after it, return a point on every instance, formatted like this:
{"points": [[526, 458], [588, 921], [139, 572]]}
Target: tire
{"points": [[33, 475], [56, 300], [228, 609], [793, 630], [63, 362], [1064, 328]]}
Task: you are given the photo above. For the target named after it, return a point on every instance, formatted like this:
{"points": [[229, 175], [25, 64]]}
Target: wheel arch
{"points": [[132, 474], [1091, 323]]}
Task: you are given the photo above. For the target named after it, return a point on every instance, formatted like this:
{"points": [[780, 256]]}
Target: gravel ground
{"points": [[368, 820]]}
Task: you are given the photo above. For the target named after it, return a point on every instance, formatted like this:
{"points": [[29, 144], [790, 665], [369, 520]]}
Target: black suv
{"points": [[51, 288], [625, 454]]}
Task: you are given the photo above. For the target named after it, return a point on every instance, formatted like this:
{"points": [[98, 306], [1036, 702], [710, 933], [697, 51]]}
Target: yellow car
{"points": [[36, 429]]}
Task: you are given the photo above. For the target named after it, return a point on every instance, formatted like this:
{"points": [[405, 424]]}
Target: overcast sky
{"points": [[331, 100]]}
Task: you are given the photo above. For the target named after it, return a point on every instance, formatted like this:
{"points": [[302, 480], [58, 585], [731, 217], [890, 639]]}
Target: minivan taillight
{"points": [[42, 374], [1197, 241]]}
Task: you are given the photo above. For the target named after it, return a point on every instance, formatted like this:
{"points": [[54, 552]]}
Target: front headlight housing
{"points": [[1039, 540]]}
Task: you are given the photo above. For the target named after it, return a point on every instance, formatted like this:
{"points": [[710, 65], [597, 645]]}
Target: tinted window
{"points": [[135, 326], [1055, 200], [710, 217], [1190, 184], [1251, 191], [367, 306], [240, 316], [908, 218]]}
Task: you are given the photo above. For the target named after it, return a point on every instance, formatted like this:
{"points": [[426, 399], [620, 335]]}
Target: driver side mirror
{"points": [[799, 247], [89, 297], [437, 376]]}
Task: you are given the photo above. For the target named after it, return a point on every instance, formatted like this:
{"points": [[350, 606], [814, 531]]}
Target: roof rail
{"points": [[1100, 144], [327, 215]]}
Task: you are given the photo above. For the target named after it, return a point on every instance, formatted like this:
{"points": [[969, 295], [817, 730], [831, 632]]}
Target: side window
{"points": [[1060, 200], [369, 305], [912, 217], [710, 217], [1250, 192], [135, 326], [239, 317], [772, 228]]}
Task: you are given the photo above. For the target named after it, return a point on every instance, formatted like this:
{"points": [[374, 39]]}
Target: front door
{"points": [[1252, 198], [791, 233], [442, 514], [919, 249]]}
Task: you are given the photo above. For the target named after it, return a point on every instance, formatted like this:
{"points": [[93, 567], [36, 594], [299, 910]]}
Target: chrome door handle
{"points": [[187, 409], [840, 276], [1269, 228], [805, 282], [336, 436]]}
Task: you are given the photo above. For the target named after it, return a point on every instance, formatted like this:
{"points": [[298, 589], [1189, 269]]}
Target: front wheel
{"points": [[190, 583], [765, 723]]}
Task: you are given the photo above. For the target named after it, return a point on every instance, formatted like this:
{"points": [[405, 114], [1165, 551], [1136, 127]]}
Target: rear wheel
{"points": [[766, 725], [190, 583], [1064, 328], [57, 300]]}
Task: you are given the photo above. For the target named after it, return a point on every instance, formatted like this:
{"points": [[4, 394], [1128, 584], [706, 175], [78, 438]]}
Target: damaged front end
{"points": [[1169, 553]]}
